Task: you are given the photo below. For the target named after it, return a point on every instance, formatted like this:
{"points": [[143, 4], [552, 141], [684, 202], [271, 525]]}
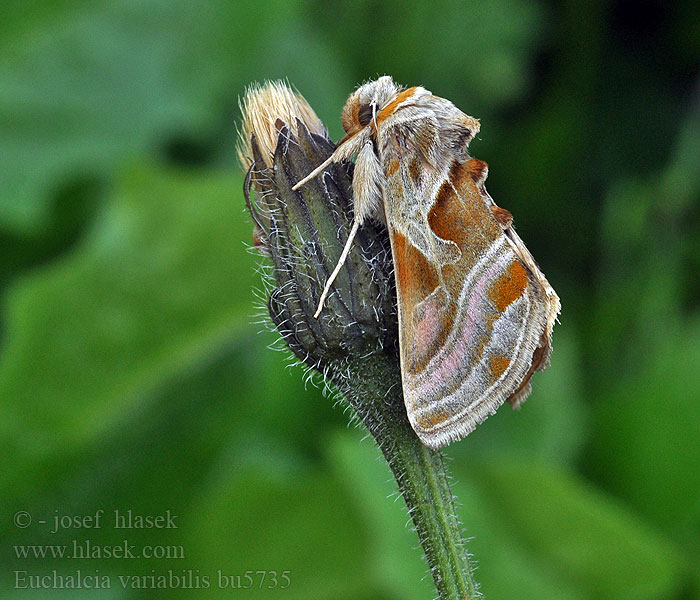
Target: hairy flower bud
{"points": [[304, 232]]}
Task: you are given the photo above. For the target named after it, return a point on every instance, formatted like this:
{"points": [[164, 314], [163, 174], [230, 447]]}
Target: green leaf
{"points": [[87, 86], [646, 413], [502, 568], [573, 531], [162, 280], [219, 419], [502, 34], [646, 434], [303, 525]]}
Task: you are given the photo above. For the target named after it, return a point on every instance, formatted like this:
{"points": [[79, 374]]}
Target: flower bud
{"points": [[304, 232]]}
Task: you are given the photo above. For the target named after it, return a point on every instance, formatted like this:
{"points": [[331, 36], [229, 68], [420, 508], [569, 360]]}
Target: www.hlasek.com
{"points": [[88, 550], [185, 579]]}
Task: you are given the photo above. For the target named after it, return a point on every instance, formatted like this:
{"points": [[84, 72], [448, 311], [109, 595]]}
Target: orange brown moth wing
{"points": [[475, 312]]}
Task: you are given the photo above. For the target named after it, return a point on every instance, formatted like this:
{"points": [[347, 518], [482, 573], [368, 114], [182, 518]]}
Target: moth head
{"points": [[360, 110], [365, 102]]}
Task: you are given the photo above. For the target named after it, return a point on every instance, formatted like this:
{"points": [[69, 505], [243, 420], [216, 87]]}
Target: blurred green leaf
{"points": [[304, 525], [645, 445], [506, 567], [479, 59], [88, 86], [646, 434], [146, 294], [209, 422], [393, 551], [575, 531]]}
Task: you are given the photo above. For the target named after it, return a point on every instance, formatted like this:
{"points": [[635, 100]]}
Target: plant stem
{"points": [[420, 472]]}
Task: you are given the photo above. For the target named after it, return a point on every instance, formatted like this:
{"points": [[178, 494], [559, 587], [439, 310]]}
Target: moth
{"points": [[475, 312]]}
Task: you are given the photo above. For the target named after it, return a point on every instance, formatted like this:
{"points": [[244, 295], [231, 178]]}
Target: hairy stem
{"points": [[420, 472]]}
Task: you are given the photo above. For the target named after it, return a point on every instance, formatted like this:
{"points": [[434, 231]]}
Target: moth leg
{"points": [[341, 262], [342, 152], [367, 183]]}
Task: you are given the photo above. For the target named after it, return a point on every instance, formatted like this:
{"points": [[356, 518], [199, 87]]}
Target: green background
{"points": [[133, 371]]}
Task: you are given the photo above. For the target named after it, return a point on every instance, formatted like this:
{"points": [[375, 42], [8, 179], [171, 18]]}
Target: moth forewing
{"points": [[475, 323]]}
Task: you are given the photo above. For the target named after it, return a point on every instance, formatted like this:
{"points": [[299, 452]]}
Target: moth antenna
{"points": [[315, 172], [341, 262]]}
